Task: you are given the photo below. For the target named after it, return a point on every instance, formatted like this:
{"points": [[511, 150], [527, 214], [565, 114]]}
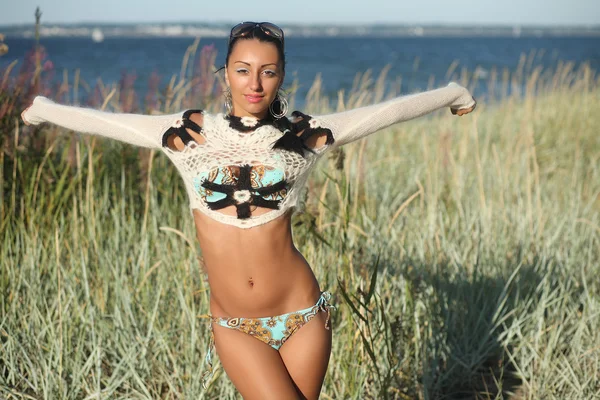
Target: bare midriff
{"points": [[255, 272]]}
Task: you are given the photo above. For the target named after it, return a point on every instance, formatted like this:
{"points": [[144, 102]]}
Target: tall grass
{"points": [[462, 252]]}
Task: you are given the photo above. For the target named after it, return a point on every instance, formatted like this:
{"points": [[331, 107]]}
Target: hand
{"points": [[463, 111], [23, 116]]}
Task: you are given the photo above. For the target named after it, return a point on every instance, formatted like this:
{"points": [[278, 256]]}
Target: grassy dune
{"points": [[462, 254]]}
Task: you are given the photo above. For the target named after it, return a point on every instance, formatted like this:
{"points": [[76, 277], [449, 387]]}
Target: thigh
{"points": [[306, 355], [255, 368]]}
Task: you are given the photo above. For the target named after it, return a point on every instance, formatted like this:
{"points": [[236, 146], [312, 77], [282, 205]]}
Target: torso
{"points": [[256, 271]]}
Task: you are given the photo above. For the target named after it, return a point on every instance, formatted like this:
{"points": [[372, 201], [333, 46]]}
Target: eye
{"points": [[269, 72], [241, 70]]}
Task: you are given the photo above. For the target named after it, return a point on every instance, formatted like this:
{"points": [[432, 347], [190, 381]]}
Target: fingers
{"points": [[464, 111], [23, 116]]}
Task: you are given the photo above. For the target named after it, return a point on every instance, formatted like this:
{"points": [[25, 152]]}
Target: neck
{"points": [[259, 116], [249, 122]]}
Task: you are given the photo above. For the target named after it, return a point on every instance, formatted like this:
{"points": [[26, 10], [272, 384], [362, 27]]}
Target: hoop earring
{"points": [[283, 105], [228, 100]]}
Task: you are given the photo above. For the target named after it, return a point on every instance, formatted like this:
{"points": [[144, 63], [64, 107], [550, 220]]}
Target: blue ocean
{"points": [[417, 63]]}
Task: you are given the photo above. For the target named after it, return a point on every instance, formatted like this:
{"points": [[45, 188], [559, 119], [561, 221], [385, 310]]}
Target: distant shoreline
{"points": [[176, 30]]}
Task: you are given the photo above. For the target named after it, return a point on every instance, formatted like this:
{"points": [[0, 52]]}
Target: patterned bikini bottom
{"points": [[274, 331]]}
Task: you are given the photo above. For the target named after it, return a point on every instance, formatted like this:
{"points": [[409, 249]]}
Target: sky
{"points": [[453, 12]]}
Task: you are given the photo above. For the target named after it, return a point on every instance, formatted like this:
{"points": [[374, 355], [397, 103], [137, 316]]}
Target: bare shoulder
{"points": [[177, 137], [310, 130], [197, 117]]}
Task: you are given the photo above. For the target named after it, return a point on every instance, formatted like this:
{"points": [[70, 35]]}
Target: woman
{"points": [[243, 172]]}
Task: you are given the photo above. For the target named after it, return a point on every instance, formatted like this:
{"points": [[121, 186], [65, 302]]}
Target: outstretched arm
{"points": [[354, 124], [139, 130]]}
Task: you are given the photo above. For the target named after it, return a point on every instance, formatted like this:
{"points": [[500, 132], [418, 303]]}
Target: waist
{"points": [[257, 271], [260, 290]]}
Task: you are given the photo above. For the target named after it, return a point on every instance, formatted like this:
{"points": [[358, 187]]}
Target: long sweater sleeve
{"points": [[139, 130], [348, 126]]}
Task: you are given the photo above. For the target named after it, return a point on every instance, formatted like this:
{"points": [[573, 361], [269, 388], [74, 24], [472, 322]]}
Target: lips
{"points": [[253, 98]]}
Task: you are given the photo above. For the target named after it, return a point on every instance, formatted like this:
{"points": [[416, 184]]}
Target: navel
{"points": [[250, 282]]}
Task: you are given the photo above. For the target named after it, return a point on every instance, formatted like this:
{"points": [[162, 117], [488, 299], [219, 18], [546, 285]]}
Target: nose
{"points": [[255, 83]]}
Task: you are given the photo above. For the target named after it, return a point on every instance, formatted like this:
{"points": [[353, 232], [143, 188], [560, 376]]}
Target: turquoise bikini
{"points": [[242, 186], [260, 177], [274, 331]]}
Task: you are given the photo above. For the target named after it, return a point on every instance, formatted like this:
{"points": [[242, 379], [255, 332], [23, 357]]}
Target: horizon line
{"points": [[325, 24]]}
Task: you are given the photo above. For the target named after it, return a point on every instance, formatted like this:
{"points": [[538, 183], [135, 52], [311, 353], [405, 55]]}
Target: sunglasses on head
{"points": [[243, 29]]}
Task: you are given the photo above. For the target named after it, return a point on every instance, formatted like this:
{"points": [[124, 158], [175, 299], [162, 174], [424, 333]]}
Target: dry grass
{"points": [[465, 251]]}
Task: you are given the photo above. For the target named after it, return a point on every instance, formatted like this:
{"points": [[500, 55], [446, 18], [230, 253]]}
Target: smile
{"points": [[253, 99]]}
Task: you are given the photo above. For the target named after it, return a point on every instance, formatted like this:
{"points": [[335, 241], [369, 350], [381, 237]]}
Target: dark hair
{"points": [[261, 36], [258, 34]]}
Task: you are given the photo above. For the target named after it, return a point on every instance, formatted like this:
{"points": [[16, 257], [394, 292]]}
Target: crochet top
{"points": [[246, 162]]}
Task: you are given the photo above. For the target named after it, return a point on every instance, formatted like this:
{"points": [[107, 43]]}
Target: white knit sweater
{"points": [[226, 151]]}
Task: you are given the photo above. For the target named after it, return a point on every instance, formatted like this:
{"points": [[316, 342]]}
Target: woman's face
{"points": [[254, 75]]}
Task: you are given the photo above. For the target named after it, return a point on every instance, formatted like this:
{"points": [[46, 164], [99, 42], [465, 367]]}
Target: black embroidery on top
{"points": [[242, 194], [293, 140], [295, 134], [181, 131], [237, 124]]}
